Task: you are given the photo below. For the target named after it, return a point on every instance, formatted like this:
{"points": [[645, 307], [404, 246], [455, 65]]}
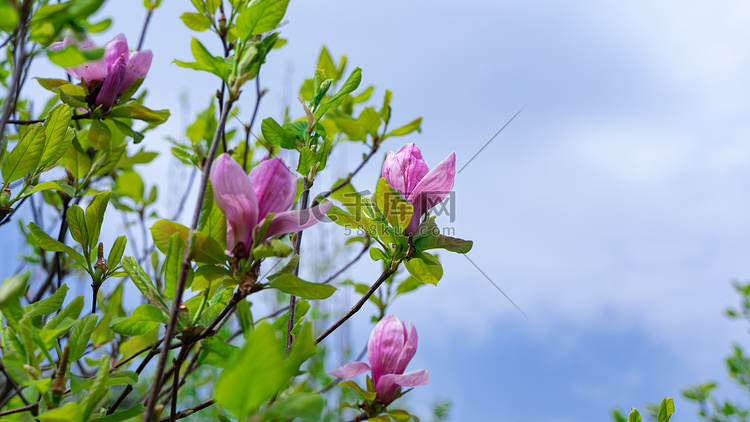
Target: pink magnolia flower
{"points": [[113, 73], [246, 200], [408, 173], [389, 350]]}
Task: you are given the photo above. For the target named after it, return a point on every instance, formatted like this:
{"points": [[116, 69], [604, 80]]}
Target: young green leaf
{"points": [[80, 336], [25, 157], [293, 285], [48, 305], [260, 16], [424, 267], [144, 319], [44, 241], [95, 217], [115, 254]]}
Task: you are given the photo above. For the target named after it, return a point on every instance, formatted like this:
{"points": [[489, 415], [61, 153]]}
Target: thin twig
{"points": [[383, 277], [348, 179], [20, 59], [170, 331], [187, 412], [249, 128], [35, 121], [297, 245], [145, 25], [30, 407], [352, 262]]}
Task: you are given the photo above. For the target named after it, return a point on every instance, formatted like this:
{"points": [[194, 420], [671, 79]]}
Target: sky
{"points": [[612, 210]]}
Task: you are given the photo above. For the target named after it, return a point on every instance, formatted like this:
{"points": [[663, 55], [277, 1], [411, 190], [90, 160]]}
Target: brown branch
{"points": [[170, 331], [35, 121], [28, 408], [249, 128], [383, 277], [145, 26], [20, 59], [187, 412], [297, 245]]}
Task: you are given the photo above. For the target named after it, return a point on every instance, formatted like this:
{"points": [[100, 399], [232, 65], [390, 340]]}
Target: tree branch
{"points": [[383, 277], [170, 331], [297, 245]]}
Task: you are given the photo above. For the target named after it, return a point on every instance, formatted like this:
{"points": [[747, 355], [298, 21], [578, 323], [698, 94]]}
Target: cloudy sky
{"points": [[612, 210]]}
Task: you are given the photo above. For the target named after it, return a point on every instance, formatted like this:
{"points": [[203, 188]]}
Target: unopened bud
{"points": [[100, 268]]}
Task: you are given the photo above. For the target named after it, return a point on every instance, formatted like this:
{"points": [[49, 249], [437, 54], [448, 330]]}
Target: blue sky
{"points": [[612, 210]]}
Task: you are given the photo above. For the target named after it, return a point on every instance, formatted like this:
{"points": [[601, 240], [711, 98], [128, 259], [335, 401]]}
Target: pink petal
{"points": [[389, 383], [275, 187], [234, 195], [350, 370], [384, 346], [111, 87], [409, 349], [91, 71], [138, 66], [116, 48], [294, 221], [432, 189], [405, 168], [436, 184]]}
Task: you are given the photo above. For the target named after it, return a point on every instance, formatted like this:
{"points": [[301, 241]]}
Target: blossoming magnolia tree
{"points": [[191, 343]]}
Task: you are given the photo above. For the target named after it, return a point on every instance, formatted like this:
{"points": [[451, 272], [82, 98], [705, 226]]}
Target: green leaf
{"points": [[430, 238], [8, 16], [665, 410], [98, 389], [25, 157], [143, 320], [125, 415], [173, 262], [69, 313], [352, 82], [204, 61], [260, 16], [48, 305], [293, 285], [207, 249], [139, 112], [216, 352], [212, 221], [99, 134], [306, 406], [13, 287], [258, 371], [277, 135], [634, 416], [416, 124], [276, 248], [325, 63], [399, 415], [115, 254], [51, 83], [71, 412], [365, 394], [44, 241], [425, 268], [95, 217], [130, 184], [143, 283], [80, 336], [57, 185], [195, 21], [122, 378], [71, 56], [76, 160], [58, 136], [77, 226]]}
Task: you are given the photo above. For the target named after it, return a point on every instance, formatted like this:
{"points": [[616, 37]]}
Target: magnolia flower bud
{"points": [[408, 173]]}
